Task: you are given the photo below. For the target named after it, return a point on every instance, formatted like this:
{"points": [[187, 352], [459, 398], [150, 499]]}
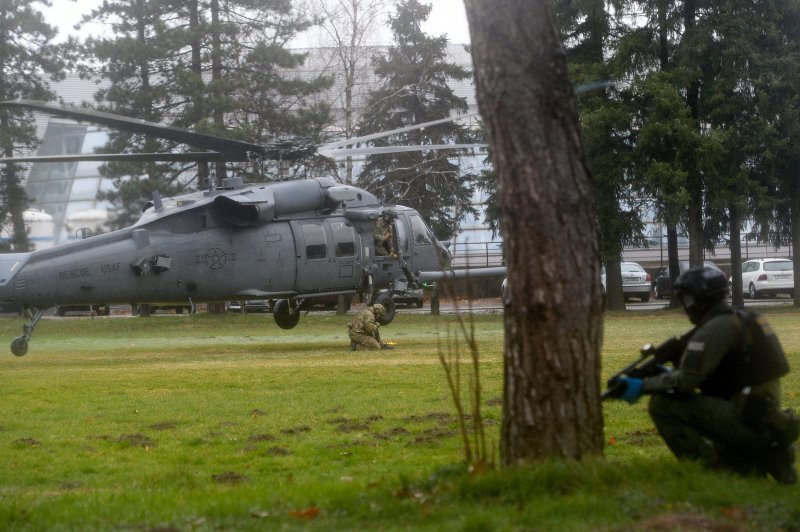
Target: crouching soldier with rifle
{"points": [[720, 404]]}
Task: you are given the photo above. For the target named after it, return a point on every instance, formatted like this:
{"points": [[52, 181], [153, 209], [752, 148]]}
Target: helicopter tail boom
{"points": [[474, 273]]}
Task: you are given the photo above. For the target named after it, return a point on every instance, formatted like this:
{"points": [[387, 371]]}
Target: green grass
{"points": [[228, 422]]}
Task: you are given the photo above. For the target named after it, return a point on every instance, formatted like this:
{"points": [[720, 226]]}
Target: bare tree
{"points": [[349, 26], [553, 325]]}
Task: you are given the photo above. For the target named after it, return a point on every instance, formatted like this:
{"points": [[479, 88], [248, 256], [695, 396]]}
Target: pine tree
{"points": [[27, 56], [414, 77], [215, 67]]}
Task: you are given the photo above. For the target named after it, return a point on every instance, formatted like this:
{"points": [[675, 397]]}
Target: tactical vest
{"points": [[759, 359]]}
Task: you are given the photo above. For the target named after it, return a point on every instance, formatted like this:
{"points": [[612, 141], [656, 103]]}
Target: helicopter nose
{"points": [[10, 265]]}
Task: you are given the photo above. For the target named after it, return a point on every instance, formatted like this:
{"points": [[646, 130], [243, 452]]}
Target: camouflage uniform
{"points": [[363, 330], [383, 238]]}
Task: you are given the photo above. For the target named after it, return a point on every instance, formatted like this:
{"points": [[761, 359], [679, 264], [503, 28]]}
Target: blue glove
{"points": [[633, 389]]}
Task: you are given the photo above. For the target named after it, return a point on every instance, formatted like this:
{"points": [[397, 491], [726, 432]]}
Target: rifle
{"points": [[650, 363]]}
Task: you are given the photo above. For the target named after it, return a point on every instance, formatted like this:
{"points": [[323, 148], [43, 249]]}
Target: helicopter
{"points": [[287, 241]]}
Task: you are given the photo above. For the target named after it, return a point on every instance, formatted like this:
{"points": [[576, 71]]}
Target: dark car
{"points": [[662, 286]]}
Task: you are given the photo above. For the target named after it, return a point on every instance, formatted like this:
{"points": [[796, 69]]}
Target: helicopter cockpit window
{"points": [[314, 237], [344, 238], [422, 235]]}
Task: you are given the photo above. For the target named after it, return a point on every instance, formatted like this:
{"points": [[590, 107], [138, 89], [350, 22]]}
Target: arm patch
{"points": [[696, 346]]}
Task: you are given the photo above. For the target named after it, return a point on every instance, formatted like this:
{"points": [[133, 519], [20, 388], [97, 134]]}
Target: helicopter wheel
{"points": [[19, 346], [284, 316], [385, 299]]}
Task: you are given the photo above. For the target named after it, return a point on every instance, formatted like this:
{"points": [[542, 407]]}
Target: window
{"points": [[422, 235], [314, 237], [344, 239], [402, 240]]}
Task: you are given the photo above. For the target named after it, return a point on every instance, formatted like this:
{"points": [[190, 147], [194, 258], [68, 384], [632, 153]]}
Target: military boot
{"points": [[779, 463], [783, 426]]}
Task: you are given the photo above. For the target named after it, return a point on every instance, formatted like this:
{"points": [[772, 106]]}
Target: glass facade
{"points": [[64, 189]]}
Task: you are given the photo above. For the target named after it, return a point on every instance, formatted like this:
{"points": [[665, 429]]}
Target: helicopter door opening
{"points": [[328, 256], [385, 233]]}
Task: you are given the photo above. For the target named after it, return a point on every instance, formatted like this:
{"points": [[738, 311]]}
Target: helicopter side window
{"points": [[316, 245], [422, 235], [344, 239]]}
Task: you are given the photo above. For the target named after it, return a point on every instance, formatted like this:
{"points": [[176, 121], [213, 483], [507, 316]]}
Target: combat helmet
{"points": [[378, 311], [699, 289]]}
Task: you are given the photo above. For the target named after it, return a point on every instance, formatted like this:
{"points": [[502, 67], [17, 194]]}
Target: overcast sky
{"points": [[447, 17]]}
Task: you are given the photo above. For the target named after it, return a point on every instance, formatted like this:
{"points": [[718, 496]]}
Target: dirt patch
{"points": [[257, 413], [434, 434], [278, 451], [26, 442], [440, 417], [229, 477], [395, 432], [640, 437], [495, 401], [164, 425], [294, 431], [261, 437], [697, 522], [352, 427], [136, 440]]}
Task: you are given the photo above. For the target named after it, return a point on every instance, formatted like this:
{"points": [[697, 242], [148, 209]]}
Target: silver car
{"points": [[635, 281]]}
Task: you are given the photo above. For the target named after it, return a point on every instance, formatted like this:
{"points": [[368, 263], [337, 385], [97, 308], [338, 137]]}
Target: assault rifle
{"points": [[650, 363]]}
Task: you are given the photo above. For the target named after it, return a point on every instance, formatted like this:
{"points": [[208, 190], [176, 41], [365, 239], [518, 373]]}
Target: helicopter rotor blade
{"points": [[375, 150], [206, 156], [382, 134], [233, 150]]}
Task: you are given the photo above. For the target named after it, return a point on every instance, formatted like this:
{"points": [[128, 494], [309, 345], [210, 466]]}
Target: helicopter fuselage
{"points": [[284, 240]]}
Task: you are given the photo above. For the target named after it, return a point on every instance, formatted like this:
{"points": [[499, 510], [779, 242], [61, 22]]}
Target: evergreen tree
{"points": [[588, 30], [414, 77], [135, 61], [27, 56], [220, 67], [780, 99]]}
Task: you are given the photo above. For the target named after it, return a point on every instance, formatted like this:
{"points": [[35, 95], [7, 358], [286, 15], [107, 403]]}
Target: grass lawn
{"points": [[228, 422]]}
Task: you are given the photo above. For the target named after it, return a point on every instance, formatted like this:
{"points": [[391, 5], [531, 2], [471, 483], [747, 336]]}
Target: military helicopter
{"points": [[290, 241]]}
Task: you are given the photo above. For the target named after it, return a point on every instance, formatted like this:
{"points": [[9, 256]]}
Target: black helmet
{"points": [[699, 289]]}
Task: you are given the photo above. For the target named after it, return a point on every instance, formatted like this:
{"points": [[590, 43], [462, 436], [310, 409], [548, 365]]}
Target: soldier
{"points": [[384, 245], [363, 330], [721, 405]]}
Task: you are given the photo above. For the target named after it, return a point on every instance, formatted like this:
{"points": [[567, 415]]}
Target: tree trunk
{"points": [[795, 238], [216, 81], [694, 179], [735, 245], [553, 323], [673, 262], [615, 298]]}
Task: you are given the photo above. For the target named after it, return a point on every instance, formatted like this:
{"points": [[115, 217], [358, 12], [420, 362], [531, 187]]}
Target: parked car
{"points": [[767, 277], [250, 305], [635, 281], [662, 286]]}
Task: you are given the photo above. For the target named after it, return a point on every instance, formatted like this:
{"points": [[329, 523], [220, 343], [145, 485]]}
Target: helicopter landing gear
{"points": [[19, 346], [285, 316]]}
